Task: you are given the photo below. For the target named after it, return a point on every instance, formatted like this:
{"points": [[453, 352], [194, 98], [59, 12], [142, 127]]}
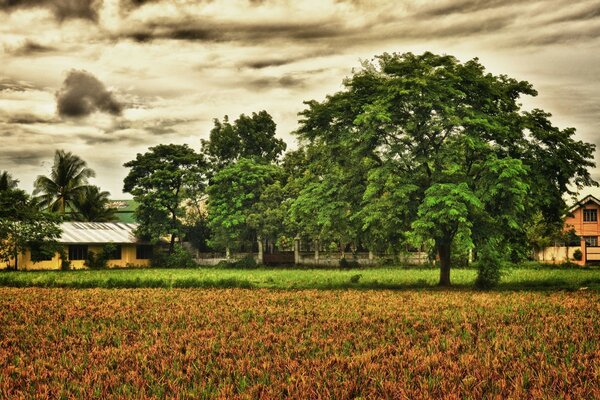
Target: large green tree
{"points": [[161, 180], [248, 137], [450, 152], [237, 194], [67, 182]]}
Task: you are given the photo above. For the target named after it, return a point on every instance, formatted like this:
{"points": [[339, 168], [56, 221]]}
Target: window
{"points": [[590, 215], [116, 253], [591, 241], [78, 252], [143, 252]]}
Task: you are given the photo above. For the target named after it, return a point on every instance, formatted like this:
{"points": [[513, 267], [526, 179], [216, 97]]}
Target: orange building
{"points": [[583, 217]]}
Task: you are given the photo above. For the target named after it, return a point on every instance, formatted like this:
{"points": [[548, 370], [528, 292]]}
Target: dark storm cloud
{"points": [[28, 119], [62, 9], [82, 94], [32, 48], [285, 81], [265, 63], [206, 30]]}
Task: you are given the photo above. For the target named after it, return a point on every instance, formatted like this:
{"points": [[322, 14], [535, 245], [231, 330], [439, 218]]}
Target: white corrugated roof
{"points": [[97, 232]]}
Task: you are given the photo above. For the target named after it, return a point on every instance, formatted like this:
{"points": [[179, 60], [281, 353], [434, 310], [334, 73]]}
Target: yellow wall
{"points": [[128, 256]]}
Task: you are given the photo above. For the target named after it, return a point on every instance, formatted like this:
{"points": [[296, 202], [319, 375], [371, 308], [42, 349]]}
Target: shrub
{"points": [[355, 278], [578, 255], [488, 267], [180, 258], [100, 261]]}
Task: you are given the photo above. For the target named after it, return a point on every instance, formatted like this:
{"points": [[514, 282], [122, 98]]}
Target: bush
{"points": [[488, 267], [100, 261], [180, 258], [578, 255]]}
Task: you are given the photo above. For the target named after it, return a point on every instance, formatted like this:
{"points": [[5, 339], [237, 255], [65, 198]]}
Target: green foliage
{"points": [[578, 255], [234, 195], [100, 260], [23, 224], [424, 148], [67, 182], [179, 258], [489, 266], [251, 137], [7, 182], [45, 250], [160, 181], [92, 205], [198, 233]]}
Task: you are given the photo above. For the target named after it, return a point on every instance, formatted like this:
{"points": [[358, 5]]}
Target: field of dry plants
{"points": [[239, 343]]}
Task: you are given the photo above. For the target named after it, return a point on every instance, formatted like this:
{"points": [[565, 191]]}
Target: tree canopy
{"points": [[444, 150], [248, 137], [237, 194], [67, 182], [160, 181]]}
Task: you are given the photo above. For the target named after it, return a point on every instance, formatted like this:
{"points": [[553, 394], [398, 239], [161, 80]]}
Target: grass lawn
{"points": [[273, 344], [550, 278]]}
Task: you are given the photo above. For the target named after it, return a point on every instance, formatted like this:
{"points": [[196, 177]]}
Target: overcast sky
{"points": [[107, 79]]}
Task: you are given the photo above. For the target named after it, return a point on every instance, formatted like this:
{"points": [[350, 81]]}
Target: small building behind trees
{"points": [[581, 240], [112, 244]]}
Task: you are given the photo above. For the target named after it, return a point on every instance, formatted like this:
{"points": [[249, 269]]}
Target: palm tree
{"points": [[7, 182], [93, 206], [68, 180]]}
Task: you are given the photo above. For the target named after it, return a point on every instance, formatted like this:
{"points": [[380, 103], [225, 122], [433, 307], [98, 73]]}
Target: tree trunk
{"points": [[172, 244], [227, 253], [260, 250], [317, 244], [297, 250], [443, 249]]}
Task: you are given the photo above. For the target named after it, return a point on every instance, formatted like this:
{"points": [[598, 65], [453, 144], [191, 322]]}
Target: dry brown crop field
{"points": [[238, 343]]}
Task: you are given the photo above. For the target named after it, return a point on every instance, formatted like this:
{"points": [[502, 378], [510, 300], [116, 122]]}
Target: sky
{"points": [[106, 79]]}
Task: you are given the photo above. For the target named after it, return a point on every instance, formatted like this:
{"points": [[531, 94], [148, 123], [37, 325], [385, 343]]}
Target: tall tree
{"points": [[248, 137], [450, 143], [93, 205], [161, 180], [7, 182], [234, 195], [68, 181]]}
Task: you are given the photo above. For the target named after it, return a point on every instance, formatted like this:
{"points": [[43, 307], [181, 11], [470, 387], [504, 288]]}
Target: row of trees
{"points": [[415, 151]]}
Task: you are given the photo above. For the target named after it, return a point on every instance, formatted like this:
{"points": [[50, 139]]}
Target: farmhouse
{"points": [[79, 239], [583, 219]]}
